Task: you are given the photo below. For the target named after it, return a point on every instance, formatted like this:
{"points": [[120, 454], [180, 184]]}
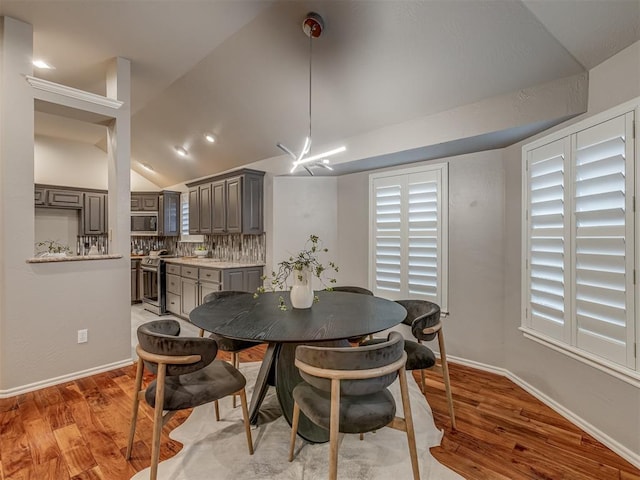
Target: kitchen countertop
{"points": [[211, 262], [72, 258]]}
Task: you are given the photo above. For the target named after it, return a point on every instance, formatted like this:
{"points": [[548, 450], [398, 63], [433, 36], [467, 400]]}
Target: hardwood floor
{"points": [[78, 430]]}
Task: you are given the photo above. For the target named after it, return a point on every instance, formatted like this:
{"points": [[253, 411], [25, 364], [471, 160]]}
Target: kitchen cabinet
{"points": [[91, 203], [169, 214], [188, 285], [228, 204], [136, 281], [174, 289], [200, 216], [94, 214], [64, 198], [144, 201]]}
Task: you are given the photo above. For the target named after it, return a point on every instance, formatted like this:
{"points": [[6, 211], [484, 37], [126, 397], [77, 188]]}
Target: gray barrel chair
{"points": [[423, 318], [345, 390], [230, 345], [187, 375], [361, 291]]}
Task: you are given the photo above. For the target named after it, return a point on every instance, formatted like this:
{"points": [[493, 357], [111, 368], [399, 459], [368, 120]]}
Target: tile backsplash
{"points": [[232, 248]]}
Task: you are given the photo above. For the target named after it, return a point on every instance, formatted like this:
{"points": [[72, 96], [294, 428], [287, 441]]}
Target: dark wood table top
{"points": [[337, 315]]}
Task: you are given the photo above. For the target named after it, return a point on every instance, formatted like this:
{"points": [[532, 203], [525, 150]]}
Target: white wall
{"points": [[43, 305], [605, 403], [303, 206], [74, 164]]}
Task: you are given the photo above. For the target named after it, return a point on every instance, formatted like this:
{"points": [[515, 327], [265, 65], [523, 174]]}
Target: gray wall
{"points": [[485, 275], [476, 273]]}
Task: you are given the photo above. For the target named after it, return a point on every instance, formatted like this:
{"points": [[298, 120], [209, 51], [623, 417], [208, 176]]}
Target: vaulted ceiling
{"points": [[239, 69]]}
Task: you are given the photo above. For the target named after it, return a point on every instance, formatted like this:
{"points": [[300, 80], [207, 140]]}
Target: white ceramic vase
{"points": [[302, 291]]}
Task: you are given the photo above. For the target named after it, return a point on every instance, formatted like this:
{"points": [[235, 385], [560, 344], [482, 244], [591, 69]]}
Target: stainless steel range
{"points": [[154, 281]]}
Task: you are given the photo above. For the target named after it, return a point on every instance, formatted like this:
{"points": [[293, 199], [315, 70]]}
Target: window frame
{"points": [[186, 238], [441, 172], [628, 374]]}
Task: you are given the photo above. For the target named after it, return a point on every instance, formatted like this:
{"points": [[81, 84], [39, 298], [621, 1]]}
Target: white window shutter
{"points": [[387, 241], [548, 241], [603, 245], [424, 237], [408, 234]]}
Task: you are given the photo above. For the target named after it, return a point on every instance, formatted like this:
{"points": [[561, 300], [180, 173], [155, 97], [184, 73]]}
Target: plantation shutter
{"points": [[548, 241], [603, 232], [424, 237], [184, 214], [409, 235]]}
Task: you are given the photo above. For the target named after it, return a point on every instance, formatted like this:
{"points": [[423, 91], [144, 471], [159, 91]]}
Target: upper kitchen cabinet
{"points": [[145, 201], [232, 203], [94, 215], [169, 214], [200, 208]]}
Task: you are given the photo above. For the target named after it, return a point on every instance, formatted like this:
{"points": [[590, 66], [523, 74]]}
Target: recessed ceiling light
{"points": [[42, 64], [209, 138], [181, 151], [146, 166]]}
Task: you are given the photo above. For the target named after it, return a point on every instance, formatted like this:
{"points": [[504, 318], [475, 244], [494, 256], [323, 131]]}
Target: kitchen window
{"points": [[579, 242], [408, 233]]}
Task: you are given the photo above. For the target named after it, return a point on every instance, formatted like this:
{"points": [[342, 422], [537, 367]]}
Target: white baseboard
{"points": [[11, 392], [617, 447]]}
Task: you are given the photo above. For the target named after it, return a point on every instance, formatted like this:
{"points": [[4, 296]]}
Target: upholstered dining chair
{"points": [[229, 345], [423, 318], [354, 289], [345, 391], [187, 375]]}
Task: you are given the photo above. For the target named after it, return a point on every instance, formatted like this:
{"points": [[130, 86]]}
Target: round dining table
{"points": [[335, 317]]}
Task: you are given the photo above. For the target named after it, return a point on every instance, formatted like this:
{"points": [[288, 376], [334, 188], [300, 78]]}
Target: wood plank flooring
{"points": [[78, 430]]}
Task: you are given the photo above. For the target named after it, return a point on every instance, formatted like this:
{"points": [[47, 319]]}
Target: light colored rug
{"points": [[218, 450]]}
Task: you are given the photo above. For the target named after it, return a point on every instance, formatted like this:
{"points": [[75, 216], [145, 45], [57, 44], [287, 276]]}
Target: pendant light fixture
{"points": [[312, 26]]}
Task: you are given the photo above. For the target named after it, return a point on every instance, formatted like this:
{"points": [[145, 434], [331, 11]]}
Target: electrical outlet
{"points": [[83, 336]]}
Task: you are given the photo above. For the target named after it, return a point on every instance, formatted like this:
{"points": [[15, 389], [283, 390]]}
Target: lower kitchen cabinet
{"points": [[187, 285], [136, 287]]}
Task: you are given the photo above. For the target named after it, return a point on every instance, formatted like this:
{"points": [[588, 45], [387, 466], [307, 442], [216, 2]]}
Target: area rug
{"points": [[218, 450]]}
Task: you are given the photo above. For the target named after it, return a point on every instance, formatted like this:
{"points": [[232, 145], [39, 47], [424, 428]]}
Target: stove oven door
{"points": [[150, 283]]}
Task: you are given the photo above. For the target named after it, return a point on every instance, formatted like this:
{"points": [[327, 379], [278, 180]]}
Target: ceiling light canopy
{"points": [[148, 167], [312, 26], [209, 137], [181, 151]]}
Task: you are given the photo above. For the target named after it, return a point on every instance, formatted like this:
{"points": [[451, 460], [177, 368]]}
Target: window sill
{"points": [[625, 374], [72, 258]]}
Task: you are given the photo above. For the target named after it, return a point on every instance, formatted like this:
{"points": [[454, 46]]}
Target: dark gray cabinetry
{"points": [[144, 202], [64, 198], [94, 214], [39, 196], [169, 214], [200, 216], [136, 273], [188, 285], [219, 207], [91, 203], [228, 204]]}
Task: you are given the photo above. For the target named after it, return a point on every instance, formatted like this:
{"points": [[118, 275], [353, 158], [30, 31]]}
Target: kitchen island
{"points": [[190, 279]]}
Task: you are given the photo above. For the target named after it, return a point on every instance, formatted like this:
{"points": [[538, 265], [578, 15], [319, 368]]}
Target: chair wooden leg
{"points": [[235, 362], [157, 421], [294, 429], [334, 429], [408, 418], [423, 386], [134, 409], [201, 332], [216, 407], [245, 416], [445, 374], [361, 436]]}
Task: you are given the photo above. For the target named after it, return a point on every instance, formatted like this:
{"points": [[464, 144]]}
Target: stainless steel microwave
{"points": [[144, 223]]}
